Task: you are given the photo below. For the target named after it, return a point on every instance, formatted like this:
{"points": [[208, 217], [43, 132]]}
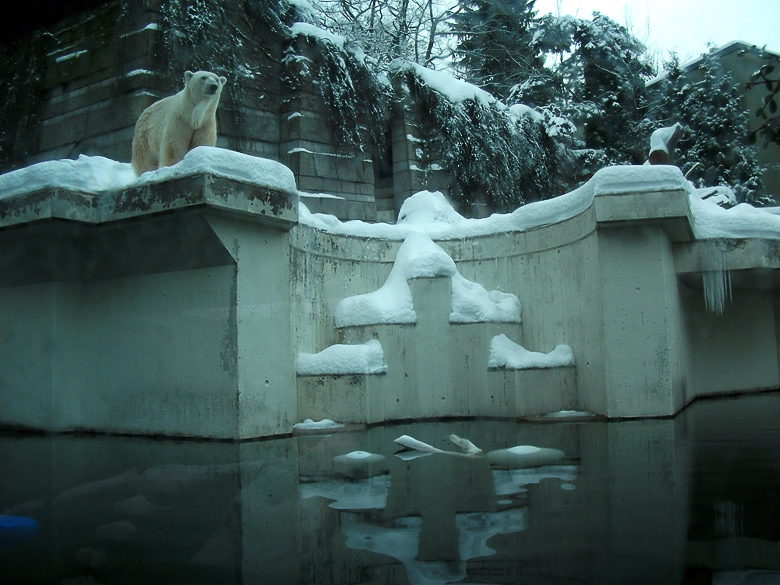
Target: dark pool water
{"points": [[694, 499]]}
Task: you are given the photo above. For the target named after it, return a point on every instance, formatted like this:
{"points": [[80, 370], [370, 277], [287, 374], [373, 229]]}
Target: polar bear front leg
{"points": [[204, 136], [171, 151]]}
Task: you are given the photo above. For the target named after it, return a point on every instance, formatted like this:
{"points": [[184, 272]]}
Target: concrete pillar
{"points": [[642, 323]]}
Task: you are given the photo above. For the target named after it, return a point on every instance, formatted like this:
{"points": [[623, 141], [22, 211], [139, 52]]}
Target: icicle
{"points": [[717, 290], [717, 283]]}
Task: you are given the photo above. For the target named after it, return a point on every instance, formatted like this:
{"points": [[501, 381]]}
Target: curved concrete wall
{"points": [[184, 312], [617, 282]]}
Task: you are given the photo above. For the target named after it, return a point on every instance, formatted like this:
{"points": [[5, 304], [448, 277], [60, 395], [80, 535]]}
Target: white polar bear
{"points": [[173, 126]]}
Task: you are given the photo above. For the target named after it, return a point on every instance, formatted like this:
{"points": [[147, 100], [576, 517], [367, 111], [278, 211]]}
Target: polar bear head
{"points": [[203, 88]]}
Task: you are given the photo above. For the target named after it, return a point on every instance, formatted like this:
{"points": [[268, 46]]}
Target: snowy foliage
{"points": [[713, 148], [768, 76], [356, 95], [496, 157], [495, 46]]}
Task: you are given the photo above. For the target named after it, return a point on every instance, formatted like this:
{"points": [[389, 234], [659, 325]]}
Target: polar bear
{"points": [[173, 126]]}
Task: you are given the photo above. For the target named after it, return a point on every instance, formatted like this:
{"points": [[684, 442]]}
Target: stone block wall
{"points": [[93, 76]]}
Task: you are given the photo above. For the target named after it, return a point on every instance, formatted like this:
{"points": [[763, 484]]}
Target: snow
{"points": [[411, 443], [570, 414], [87, 174], [505, 353], [521, 111], [97, 174], [309, 30], [360, 455], [312, 425], [523, 450], [420, 257], [229, 164], [426, 212], [429, 213], [455, 90], [69, 56], [341, 359]]}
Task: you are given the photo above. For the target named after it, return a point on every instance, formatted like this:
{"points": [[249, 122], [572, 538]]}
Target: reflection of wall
{"points": [[618, 515]]}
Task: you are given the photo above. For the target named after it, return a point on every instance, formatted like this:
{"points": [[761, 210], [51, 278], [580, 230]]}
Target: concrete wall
{"points": [[171, 315], [180, 308], [614, 283]]}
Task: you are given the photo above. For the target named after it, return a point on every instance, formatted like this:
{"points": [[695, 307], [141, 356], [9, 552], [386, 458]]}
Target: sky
{"points": [[684, 26]]}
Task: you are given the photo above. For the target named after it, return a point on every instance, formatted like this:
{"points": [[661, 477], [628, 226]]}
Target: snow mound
{"points": [[321, 425], [86, 174], [741, 221], [427, 207], [427, 212], [505, 353], [229, 164], [420, 257], [637, 179], [455, 90], [96, 174], [341, 359]]}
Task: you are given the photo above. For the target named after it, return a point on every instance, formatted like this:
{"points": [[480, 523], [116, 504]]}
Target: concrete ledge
{"points": [[320, 397], [220, 193], [48, 204], [669, 209], [752, 263], [205, 190], [365, 399]]}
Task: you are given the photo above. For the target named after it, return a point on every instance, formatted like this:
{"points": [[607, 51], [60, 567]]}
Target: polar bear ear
{"points": [[222, 81], [187, 76]]}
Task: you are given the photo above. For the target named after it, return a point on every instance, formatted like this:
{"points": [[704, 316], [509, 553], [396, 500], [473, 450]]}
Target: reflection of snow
{"points": [[401, 541], [474, 530], [514, 481], [364, 494]]}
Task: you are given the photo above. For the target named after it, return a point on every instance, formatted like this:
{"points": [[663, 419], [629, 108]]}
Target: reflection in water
{"points": [[430, 535], [689, 500]]}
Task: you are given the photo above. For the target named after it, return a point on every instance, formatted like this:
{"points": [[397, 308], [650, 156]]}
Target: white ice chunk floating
{"points": [[524, 456], [505, 353], [359, 464], [468, 447], [342, 359], [414, 444]]}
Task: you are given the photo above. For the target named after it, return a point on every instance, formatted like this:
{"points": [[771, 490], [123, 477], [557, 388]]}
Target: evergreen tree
{"points": [[608, 72], [496, 48], [768, 75], [713, 149]]}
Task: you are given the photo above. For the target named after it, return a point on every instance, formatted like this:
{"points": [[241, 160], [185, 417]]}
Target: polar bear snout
{"points": [[212, 88]]}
